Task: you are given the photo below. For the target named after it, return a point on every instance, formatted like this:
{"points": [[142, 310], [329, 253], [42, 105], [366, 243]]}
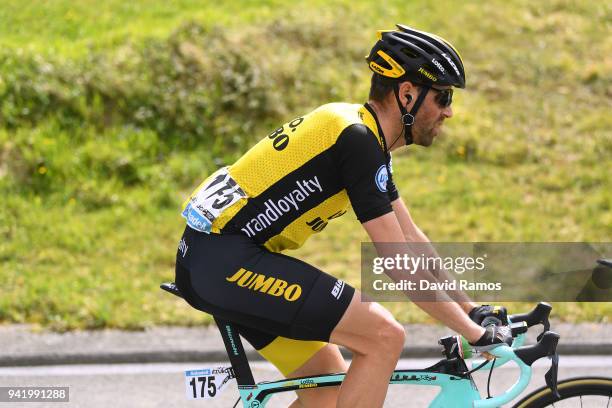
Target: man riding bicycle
{"points": [[289, 186]]}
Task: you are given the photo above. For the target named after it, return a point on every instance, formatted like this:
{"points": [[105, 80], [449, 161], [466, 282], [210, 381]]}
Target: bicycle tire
{"points": [[570, 388]]}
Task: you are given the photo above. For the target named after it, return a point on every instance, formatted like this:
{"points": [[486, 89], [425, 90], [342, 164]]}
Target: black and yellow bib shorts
{"points": [[285, 308]]}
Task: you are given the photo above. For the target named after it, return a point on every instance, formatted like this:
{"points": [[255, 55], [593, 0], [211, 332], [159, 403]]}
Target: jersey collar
{"points": [[380, 131]]}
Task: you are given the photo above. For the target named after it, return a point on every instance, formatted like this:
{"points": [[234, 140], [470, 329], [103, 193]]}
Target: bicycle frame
{"points": [[456, 390]]}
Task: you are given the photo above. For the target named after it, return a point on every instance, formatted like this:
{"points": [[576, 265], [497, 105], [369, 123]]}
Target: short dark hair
{"points": [[380, 87]]}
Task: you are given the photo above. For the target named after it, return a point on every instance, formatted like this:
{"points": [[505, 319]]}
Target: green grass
{"points": [[89, 218], [70, 27]]}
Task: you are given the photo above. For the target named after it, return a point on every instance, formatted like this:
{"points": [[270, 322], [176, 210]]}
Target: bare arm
{"points": [[413, 233], [410, 230], [387, 228]]}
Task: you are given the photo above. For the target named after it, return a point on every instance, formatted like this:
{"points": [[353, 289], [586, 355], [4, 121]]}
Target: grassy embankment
{"points": [[110, 115]]}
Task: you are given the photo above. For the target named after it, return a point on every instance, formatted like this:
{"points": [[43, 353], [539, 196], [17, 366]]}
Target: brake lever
{"points": [[539, 315], [551, 375], [546, 323]]}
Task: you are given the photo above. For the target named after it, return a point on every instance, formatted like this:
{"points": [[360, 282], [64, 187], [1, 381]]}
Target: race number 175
{"points": [[203, 387]]}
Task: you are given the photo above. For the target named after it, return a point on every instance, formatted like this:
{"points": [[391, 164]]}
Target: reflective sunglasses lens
{"points": [[445, 97]]}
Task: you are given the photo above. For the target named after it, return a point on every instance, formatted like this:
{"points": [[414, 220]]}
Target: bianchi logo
{"points": [[338, 289], [381, 178], [274, 209]]}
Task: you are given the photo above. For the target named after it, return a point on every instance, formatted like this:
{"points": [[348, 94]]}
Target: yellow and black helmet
{"points": [[418, 56]]}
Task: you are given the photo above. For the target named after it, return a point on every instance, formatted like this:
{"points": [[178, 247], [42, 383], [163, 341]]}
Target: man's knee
{"points": [[369, 328], [388, 336]]}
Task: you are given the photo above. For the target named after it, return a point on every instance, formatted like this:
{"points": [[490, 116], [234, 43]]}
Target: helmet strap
{"points": [[408, 117]]}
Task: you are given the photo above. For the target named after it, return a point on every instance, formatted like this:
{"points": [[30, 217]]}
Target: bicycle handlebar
{"points": [[547, 346], [539, 315], [525, 356]]}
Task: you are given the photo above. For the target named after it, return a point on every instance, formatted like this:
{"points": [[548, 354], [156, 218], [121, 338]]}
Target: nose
{"points": [[448, 112]]}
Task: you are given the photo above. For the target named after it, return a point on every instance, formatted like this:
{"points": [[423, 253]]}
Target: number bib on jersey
{"points": [[207, 382], [220, 192]]}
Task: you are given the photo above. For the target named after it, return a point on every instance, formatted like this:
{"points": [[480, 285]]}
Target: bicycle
{"points": [[451, 373]]}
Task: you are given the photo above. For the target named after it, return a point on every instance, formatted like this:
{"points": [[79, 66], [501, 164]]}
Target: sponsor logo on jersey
{"points": [[183, 247], [318, 224], [338, 289], [276, 208], [381, 178], [268, 285]]}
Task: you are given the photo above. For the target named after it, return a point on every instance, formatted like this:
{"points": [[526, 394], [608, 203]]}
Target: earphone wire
{"points": [[400, 135]]}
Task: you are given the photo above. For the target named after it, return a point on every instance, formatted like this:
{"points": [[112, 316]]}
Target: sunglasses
{"points": [[444, 97]]}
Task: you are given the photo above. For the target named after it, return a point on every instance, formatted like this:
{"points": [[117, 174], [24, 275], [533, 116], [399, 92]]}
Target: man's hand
{"points": [[486, 315], [494, 336]]}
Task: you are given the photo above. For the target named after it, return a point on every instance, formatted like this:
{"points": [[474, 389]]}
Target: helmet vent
{"points": [[409, 53], [383, 63]]}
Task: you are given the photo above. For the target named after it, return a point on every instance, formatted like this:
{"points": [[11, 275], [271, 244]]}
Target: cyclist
{"points": [[289, 186]]}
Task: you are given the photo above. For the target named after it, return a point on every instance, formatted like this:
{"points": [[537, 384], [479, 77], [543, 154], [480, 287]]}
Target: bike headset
{"points": [[422, 58]]}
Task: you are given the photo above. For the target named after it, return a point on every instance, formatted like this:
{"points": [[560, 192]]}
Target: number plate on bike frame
{"points": [[207, 382], [218, 193]]}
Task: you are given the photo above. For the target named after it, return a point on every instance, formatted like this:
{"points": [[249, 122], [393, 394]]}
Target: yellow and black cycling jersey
{"points": [[298, 178]]}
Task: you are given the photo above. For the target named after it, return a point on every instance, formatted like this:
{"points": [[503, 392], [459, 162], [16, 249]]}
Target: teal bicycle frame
{"points": [[455, 390]]}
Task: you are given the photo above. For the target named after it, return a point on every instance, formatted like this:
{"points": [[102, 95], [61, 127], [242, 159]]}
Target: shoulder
{"points": [[345, 122], [338, 116]]}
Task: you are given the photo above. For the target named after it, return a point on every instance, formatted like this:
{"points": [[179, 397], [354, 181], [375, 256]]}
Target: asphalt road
{"points": [[163, 385]]}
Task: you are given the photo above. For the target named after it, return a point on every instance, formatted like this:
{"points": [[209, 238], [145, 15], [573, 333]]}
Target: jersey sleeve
{"points": [[391, 189], [362, 167]]}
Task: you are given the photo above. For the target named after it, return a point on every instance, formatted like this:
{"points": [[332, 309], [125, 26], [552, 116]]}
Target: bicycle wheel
{"points": [[591, 392]]}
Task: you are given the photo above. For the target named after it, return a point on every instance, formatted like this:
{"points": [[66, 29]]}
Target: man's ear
{"points": [[407, 92]]}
